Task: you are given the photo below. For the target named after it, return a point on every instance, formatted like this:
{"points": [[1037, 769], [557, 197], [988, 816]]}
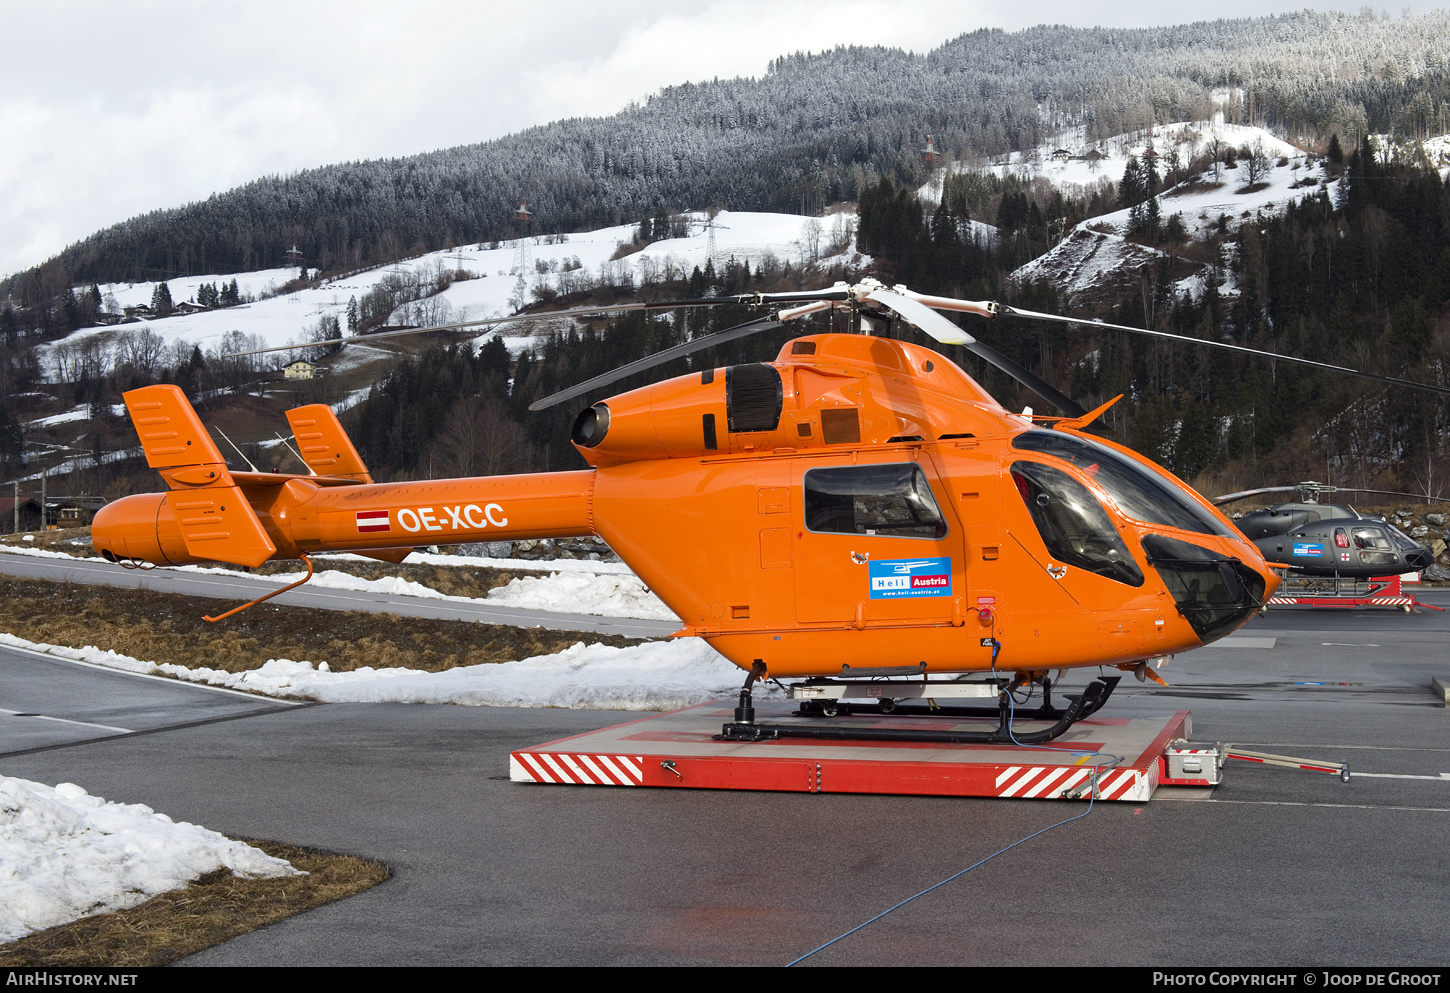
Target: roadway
{"points": [[1272, 867]]}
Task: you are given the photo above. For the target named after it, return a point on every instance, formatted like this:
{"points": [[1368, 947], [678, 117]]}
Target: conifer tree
{"points": [[161, 304]]}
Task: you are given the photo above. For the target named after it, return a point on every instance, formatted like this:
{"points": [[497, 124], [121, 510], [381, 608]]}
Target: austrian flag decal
{"points": [[372, 520]]}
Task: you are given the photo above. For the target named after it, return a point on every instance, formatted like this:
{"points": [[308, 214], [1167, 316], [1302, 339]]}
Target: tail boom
{"points": [[299, 516]]}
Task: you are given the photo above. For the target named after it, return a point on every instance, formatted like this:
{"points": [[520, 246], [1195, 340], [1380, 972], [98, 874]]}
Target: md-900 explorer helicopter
{"points": [[858, 510]]}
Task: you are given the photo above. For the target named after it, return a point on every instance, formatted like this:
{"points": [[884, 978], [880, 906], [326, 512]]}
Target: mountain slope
{"points": [[811, 131]]}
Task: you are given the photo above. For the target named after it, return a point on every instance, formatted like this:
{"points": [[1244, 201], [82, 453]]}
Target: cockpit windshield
{"points": [[1139, 492]]}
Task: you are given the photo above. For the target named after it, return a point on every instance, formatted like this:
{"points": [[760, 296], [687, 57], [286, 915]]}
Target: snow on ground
{"points": [[1095, 258], [575, 586], [609, 596], [79, 412], [287, 319], [1186, 138], [65, 855], [483, 561], [664, 675], [577, 592], [1088, 263], [84, 462]]}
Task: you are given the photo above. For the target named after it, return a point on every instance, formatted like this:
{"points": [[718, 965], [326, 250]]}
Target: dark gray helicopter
{"points": [[1322, 539]]}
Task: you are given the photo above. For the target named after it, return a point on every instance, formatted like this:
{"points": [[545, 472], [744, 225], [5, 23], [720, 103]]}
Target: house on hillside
{"points": [[301, 369], [29, 514], [187, 307], [138, 310], [1061, 155]]}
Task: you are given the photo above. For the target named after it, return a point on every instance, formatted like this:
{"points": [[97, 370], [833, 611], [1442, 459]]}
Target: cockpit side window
{"points": [[1073, 525], [1365, 538], [891, 500], [1139, 493]]}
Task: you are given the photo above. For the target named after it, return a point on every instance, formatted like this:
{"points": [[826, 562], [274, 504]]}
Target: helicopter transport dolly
{"points": [[685, 748], [1382, 591]]}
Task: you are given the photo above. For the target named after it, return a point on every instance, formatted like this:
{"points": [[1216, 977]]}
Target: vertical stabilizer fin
{"points": [[215, 519], [324, 445], [171, 433]]}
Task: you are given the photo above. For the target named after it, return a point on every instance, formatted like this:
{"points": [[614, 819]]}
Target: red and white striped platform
{"points": [[677, 750]]}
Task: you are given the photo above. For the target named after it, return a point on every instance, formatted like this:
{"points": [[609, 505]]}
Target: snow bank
{"points": [[608, 596], [575, 592], [65, 855], [655, 676], [576, 586]]}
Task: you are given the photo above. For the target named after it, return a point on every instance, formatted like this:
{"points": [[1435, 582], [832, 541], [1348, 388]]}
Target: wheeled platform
{"points": [[1382, 591], [680, 749]]}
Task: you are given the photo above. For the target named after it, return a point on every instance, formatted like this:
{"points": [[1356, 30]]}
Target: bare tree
{"points": [[811, 238], [142, 351], [480, 439], [1256, 162], [1216, 147]]}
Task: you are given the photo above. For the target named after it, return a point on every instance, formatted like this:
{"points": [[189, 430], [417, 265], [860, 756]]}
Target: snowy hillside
{"points": [[566, 261], [1096, 260]]}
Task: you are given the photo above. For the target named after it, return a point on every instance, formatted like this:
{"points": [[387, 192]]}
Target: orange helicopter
{"points": [[859, 514]]}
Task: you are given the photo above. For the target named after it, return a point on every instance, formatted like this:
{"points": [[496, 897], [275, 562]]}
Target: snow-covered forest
{"points": [[815, 129]]}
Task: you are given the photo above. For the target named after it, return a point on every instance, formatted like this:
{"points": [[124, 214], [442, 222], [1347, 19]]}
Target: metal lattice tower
{"points": [[710, 227], [523, 256]]}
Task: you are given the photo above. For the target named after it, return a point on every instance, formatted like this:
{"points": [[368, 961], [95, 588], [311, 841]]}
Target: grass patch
{"points": [[215, 908], [166, 627]]}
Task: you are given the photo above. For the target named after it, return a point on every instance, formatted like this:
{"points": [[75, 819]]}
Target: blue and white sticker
{"points": [[1308, 550], [894, 578]]}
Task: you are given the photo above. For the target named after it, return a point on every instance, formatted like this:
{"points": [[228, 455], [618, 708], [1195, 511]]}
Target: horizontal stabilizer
{"points": [[218, 523], [324, 445]]}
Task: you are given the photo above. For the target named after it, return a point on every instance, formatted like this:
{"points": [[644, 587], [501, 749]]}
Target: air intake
{"points": [[753, 397]]}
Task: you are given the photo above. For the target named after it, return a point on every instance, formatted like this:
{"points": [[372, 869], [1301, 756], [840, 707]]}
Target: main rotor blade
{"points": [[658, 358], [944, 331], [1317, 489], [490, 322], [1035, 316], [1219, 501]]}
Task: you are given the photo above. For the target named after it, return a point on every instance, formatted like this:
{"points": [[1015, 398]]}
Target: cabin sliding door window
{"points": [[884, 500]]}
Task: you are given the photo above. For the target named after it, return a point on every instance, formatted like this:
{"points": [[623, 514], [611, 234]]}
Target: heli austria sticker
{"points": [[372, 520], [1308, 549], [895, 578]]}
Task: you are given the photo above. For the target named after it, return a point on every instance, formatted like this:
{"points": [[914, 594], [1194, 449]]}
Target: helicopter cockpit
{"points": [[1139, 493], [1213, 591]]}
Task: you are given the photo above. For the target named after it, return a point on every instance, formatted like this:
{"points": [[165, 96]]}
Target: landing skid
{"points": [[745, 728]]}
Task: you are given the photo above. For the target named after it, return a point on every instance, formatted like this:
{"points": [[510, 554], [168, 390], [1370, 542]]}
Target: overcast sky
{"points": [[108, 110]]}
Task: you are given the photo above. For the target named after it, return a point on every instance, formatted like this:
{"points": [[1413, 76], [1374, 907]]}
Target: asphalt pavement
{"points": [[1275, 866]]}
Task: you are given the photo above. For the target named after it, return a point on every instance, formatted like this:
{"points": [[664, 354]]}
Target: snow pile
{"points": [[609, 596], [654, 676], [576, 592], [575, 586], [45, 553], [65, 855]]}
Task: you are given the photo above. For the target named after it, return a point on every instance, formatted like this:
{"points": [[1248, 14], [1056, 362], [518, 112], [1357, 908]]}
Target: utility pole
{"points": [[16, 529], [44, 518]]}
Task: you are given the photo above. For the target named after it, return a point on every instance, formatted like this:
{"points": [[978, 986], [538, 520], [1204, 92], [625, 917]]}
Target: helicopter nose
{"points": [[1214, 592]]}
